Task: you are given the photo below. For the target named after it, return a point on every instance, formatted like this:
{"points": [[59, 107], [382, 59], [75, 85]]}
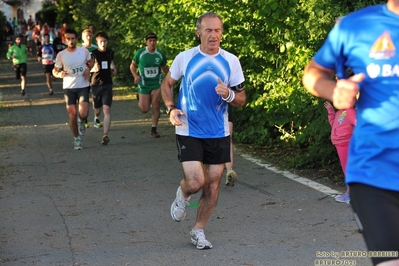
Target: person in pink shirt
{"points": [[342, 123]]}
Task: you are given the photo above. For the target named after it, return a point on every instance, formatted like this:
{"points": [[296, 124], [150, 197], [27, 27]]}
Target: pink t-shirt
{"points": [[342, 123]]}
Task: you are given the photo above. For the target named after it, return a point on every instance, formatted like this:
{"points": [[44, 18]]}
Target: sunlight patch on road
{"points": [[23, 102], [55, 99]]}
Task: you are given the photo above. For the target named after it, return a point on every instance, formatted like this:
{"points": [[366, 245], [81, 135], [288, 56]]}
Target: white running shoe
{"points": [[178, 208], [81, 127], [198, 239], [344, 198], [97, 123], [78, 144]]}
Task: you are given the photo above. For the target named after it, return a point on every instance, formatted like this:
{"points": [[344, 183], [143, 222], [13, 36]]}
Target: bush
{"points": [[274, 41]]}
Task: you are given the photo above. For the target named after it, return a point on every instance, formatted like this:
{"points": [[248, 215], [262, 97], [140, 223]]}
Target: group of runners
{"points": [[212, 81]]}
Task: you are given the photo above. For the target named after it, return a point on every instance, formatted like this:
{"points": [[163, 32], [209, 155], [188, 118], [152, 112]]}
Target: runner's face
{"points": [[71, 40], [151, 44], [87, 38], [101, 43], [210, 35]]}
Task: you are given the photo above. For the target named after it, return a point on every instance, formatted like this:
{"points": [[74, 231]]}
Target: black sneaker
{"points": [[105, 140], [154, 134], [22, 92]]}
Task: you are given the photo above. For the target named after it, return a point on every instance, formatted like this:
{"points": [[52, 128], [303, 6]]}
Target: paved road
{"points": [[109, 205]]}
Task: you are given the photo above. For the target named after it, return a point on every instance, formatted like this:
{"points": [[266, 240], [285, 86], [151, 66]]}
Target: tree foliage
{"points": [[48, 13], [3, 23], [273, 39]]}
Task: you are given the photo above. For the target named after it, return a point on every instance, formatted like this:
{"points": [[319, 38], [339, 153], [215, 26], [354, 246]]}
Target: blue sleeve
{"points": [[331, 55]]}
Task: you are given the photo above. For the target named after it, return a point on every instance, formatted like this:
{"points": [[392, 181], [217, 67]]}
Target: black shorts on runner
{"points": [[20, 70], [72, 96], [377, 214], [207, 151], [48, 68], [102, 95]]}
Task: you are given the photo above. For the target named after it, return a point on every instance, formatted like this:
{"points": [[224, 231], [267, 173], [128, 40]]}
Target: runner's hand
{"points": [[86, 73], [344, 94], [174, 116]]}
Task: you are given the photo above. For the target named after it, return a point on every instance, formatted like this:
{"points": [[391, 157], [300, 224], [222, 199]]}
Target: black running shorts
{"points": [[207, 151], [20, 70], [377, 213], [102, 95], [76, 95], [48, 68]]}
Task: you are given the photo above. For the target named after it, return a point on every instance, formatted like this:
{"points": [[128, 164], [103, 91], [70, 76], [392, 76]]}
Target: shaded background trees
{"points": [[273, 39]]}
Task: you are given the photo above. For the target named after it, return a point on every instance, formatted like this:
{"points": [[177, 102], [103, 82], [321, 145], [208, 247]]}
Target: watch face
{"points": [[169, 108]]}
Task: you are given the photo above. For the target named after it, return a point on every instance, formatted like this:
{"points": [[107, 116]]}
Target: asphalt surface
{"points": [[110, 205]]}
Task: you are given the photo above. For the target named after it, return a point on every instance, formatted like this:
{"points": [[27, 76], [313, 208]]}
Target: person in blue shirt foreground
{"points": [[366, 42], [211, 79]]}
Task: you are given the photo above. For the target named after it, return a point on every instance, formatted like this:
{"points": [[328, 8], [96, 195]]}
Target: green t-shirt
{"points": [[91, 48], [149, 65], [20, 52]]}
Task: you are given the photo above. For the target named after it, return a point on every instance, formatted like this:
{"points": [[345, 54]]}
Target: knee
{"points": [[144, 109], [71, 111], [83, 107], [84, 113], [106, 110], [211, 188], [194, 185]]}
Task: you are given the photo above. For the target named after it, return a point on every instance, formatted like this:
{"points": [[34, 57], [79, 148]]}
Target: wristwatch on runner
{"points": [[170, 108]]}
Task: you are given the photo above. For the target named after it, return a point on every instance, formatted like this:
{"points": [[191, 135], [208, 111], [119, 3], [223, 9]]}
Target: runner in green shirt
{"points": [[149, 61], [19, 55]]}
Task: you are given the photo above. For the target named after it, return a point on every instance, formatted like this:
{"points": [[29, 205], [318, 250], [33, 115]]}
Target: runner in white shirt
{"points": [[73, 65]]}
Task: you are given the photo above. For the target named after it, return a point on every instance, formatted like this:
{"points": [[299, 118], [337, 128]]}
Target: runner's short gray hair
{"points": [[207, 14]]}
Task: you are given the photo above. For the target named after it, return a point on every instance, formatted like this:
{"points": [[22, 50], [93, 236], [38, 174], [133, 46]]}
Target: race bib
{"points": [[76, 71], [151, 72], [104, 64]]}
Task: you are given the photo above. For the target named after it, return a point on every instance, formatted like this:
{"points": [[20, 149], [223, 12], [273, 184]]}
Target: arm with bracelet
{"points": [[235, 95]]}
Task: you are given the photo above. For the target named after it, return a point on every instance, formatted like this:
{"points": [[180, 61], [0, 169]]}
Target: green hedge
{"points": [[274, 41]]}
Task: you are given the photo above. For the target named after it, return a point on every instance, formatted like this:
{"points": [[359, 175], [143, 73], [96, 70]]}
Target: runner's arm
{"points": [[133, 70], [113, 68], [165, 69]]}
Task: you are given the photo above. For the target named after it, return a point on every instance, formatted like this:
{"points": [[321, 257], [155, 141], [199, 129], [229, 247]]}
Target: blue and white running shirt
{"points": [[366, 42], [205, 111]]}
